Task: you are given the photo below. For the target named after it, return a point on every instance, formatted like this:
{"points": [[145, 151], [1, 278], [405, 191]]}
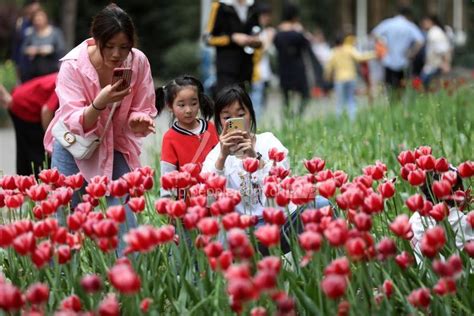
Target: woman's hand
{"points": [[110, 94], [247, 145], [228, 142], [142, 125]]}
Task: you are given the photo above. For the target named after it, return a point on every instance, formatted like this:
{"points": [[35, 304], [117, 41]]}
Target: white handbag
{"points": [[80, 147]]}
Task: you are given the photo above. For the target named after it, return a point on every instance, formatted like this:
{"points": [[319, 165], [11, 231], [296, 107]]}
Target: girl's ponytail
{"points": [[207, 106], [160, 102]]}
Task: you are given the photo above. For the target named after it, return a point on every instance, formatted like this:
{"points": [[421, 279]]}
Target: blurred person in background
{"points": [[262, 72], [342, 69], [293, 52], [438, 50], [403, 40], [22, 28], [43, 46], [31, 106], [233, 29]]}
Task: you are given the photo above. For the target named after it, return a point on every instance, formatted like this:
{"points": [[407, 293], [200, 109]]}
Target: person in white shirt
{"points": [[438, 50], [226, 157]]}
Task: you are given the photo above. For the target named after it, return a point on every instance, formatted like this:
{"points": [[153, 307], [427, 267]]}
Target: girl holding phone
{"points": [[234, 102], [85, 91]]}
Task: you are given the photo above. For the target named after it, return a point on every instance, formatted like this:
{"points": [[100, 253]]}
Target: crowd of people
{"points": [[107, 119]]}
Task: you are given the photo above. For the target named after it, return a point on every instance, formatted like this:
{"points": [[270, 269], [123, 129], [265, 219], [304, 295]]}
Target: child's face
{"points": [[235, 110], [185, 107]]}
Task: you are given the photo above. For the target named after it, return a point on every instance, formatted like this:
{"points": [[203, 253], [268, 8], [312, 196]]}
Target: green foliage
{"points": [[180, 59], [8, 79]]}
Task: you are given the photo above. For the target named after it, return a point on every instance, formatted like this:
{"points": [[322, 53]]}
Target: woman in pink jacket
{"points": [[86, 94]]}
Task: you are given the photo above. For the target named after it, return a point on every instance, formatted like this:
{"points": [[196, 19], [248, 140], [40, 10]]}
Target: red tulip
{"points": [[75, 181], [441, 165], [469, 248], [401, 227], [7, 235], [38, 192], [386, 248], [137, 204], [42, 254], [258, 311], [250, 164], [423, 151], [388, 288], [96, 190], [116, 213], [285, 304], [161, 205], [71, 303], [222, 262], [314, 165], [417, 177], [23, 183], [336, 233], [406, 157], [363, 221], [91, 283], [334, 286], [193, 169], [216, 183], [339, 266], [37, 293], [176, 209], [270, 263], [404, 260], [124, 279], [441, 189], [118, 188], [310, 241], [466, 169], [426, 162], [445, 286], [433, 240], [279, 171], [270, 189], [387, 189], [213, 249], [420, 297], [208, 226], [373, 203], [10, 297], [303, 192], [109, 306], [415, 202], [327, 188], [49, 176], [274, 216], [450, 268], [439, 212], [14, 200], [268, 235], [106, 228], [265, 280], [24, 244], [470, 218], [376, 172], [145, 304], [356, 248], [64, 254], [241, 289], [276, 155], [282, 198]]}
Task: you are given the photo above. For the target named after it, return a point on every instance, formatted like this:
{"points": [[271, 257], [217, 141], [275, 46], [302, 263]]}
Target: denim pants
{"points": [[345, 97], [65, 163], [257, 95]]}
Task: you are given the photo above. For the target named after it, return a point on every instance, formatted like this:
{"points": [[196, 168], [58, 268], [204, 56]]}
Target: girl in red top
{"points": [[190, 137]]}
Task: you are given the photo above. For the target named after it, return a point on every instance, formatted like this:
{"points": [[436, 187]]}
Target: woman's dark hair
{"points": [[109, 22], [228, 96], [436, 20], [290, 12], [165, 95]]}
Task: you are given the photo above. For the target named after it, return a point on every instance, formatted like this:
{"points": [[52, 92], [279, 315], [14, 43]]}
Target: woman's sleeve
{"points": [[144, 93], [72, 99], [217, 35], [209, 164]]}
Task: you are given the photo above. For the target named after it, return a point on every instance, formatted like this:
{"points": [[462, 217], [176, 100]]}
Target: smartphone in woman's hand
{"points": [[122, 73]]}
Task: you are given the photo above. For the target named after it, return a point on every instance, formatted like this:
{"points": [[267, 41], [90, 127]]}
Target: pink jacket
{"points": [[77, 86]]}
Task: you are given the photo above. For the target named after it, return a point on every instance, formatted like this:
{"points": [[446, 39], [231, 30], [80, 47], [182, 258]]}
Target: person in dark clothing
{"points": [[31, 107], [293, 51], [232, 29]]}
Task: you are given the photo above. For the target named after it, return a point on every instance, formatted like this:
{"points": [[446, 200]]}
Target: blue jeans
{"points": [[65, 163], [345, 97]]}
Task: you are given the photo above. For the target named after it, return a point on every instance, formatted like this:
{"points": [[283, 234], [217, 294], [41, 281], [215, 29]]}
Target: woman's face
{"points": [[235, 110], [40, 20], [116, 50]]}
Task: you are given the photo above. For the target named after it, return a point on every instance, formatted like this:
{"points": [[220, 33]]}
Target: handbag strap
{"points": [[109, 119], [202, 145]]}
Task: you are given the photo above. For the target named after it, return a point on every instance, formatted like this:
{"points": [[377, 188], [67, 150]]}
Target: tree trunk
{"points": [[68, 22]]}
